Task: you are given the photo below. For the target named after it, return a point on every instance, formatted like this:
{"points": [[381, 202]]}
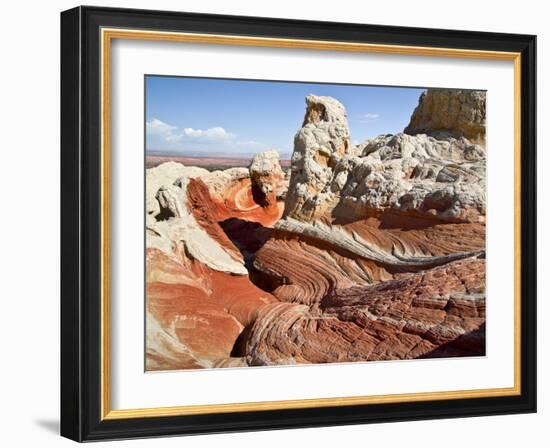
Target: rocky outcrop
{"points": [[399, 174], [398, 202], [178, 231], [455, 113], [165, 174], [411, 176], [255, 194]]}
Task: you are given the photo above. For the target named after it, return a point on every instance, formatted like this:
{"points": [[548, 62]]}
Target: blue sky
{"points": [[231, 117]]}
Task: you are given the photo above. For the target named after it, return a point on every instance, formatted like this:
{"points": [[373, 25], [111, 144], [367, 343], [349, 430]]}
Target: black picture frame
{"points": [[81, 224]]}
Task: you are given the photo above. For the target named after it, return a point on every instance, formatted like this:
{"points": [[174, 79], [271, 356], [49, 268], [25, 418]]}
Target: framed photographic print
{"points": [[274, 223]]}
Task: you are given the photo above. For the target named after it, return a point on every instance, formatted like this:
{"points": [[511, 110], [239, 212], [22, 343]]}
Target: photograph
{"points": [[292, 223]]}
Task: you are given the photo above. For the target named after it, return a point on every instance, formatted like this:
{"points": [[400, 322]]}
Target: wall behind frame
{"points": [[29, 183]]}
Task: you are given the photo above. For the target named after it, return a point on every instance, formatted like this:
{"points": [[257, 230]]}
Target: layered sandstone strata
{"points": [[440, 312]]}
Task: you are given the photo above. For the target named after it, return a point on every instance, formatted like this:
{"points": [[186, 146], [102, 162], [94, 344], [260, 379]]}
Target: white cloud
{"points": [[161, 135], [211, 134], [369, 117], [171, 134], [158, 127]]}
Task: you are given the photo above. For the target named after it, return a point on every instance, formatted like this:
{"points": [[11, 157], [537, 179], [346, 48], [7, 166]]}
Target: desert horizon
{"points": [[211, 162]]}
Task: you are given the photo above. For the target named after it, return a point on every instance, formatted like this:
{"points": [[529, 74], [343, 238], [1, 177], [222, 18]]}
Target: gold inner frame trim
{"points": [[107, 35]]}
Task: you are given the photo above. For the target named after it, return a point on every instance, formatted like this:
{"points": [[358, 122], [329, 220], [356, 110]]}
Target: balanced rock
{"points": [[267, 177]]}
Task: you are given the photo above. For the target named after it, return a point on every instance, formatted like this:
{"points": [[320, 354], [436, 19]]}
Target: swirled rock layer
{"points": [[255, 194], [437, 313], [336, 257]]}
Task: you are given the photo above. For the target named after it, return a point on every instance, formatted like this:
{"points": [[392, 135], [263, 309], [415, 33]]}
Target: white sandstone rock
{"points": [[405, 173], [267, 177], [173, 226], [165, 174]]}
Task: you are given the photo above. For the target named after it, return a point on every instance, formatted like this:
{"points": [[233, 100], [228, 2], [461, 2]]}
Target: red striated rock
{"points": [[325, 267], [237, 294], [205, 312], [236, 202], [322, 268], [202, 325], [407, 235], [440, 312], [196, 312], [207, 213]]}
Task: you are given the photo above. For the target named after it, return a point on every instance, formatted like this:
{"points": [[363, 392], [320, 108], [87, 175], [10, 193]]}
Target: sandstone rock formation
{"points": [[374, 222], [455, 113], [176, 229], [165, 174], [323, 138], [362, 254], [199, 295], [377, 253], [403, 174], [253, 194]]}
